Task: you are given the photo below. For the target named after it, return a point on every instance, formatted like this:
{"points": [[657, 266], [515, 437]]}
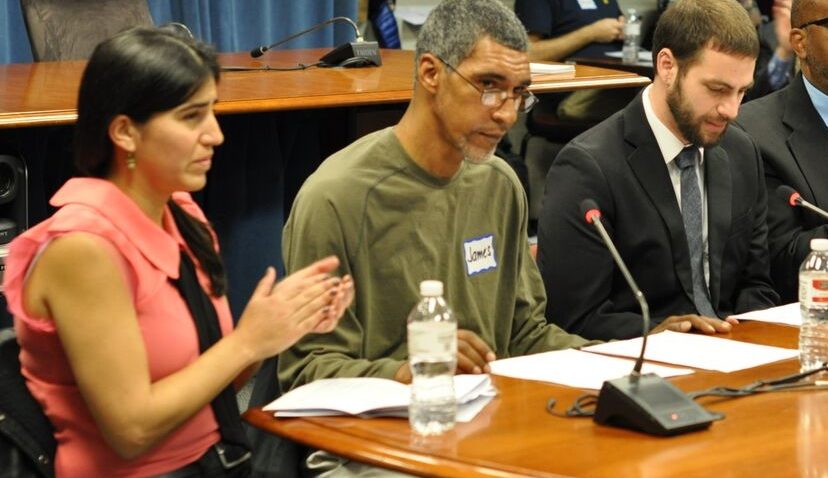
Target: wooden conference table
{"points": [[775, 435], [40, 94]]}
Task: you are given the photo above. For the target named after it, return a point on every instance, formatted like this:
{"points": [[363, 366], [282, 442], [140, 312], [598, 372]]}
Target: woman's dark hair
{"points": [[139, 73]]}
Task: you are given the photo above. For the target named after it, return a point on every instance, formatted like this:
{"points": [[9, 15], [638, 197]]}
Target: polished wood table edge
{"points": [[52, 118], [384, 455], [598, 83], [318, 102], [68, 117]]}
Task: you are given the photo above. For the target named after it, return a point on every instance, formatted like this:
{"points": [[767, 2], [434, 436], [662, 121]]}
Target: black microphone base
{"points": [[353, 54], [649, 404]]}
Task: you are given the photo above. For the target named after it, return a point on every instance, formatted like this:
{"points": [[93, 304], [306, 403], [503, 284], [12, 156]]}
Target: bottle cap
{"points": [[434, 288], [819, 244]]}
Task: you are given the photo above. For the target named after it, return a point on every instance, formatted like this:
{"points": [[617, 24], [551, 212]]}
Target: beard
{"points": [[476, 155], [818, 70], [473, 153], [688, 124]]}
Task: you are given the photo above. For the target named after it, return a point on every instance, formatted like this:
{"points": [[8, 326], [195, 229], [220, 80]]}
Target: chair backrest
{"points": [[27, 443], [70, 29]]}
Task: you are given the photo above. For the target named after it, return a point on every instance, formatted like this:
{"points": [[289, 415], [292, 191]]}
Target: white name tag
{"points": [[479, 254], [587, 4]]}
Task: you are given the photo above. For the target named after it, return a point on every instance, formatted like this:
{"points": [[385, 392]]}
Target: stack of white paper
{"points": [[787, 314], [550, 68], [644, 56], [575, 368], [698, 351], [374, 397]]}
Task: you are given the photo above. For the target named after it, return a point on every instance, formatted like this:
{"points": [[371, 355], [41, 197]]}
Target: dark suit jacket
{"points": [[619, 165], [793, 140]]}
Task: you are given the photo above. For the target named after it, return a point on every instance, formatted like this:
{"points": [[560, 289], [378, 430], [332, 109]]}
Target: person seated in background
{"points": [[119, 298], [682, 194], [775, 63], [790, 127], [560, 29]]}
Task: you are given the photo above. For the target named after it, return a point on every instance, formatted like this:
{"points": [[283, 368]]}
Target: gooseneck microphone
{"points": [[260, 50], [793, 198], [356, 53], [642, 402], [593, 216]]}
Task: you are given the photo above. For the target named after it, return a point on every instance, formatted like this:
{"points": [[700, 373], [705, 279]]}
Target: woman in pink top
{"points": [[136, 379]]}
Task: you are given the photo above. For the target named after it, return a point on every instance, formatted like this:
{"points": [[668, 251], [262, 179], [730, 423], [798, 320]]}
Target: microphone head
{"points": [[589, 209], [789, 194], [258, 51]]}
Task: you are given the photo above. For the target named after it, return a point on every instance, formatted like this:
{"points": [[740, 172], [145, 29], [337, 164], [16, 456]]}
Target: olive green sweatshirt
{"points": [[393, 225]]}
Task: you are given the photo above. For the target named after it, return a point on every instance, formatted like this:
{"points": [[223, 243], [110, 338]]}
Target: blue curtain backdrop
{"points": [[231, 25]]}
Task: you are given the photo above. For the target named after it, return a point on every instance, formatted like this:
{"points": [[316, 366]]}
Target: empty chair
{"points": [[70, 29]]}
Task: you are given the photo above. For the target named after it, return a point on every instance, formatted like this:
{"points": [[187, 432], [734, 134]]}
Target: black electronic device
{"points": [[353, 54], [13, 197], [357, 53], [642, 402], [649, 404], [14, 204]]}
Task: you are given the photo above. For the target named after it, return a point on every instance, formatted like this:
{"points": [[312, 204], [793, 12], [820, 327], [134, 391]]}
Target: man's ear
{"points": [[666, 66], [123, 133], [799, 41], [429, 72]]}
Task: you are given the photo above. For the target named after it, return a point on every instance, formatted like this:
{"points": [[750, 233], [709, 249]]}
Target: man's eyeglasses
{"points": [[495, 97], [822, 22]]}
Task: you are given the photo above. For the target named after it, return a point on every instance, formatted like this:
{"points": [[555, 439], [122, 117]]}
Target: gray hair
{"points": [[454, 27]]}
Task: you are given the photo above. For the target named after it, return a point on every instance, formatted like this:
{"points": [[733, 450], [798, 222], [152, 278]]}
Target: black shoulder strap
{"points": [[206, 320], [22, 421]]}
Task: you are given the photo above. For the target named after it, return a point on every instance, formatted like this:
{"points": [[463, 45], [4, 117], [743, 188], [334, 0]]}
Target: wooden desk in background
{"points": [[278, 125], [41, 94], [773, 435], [643, 68]]}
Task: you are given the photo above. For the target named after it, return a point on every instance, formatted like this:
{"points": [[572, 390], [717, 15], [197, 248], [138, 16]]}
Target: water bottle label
{"points": [[432, 339], [813, 289], [632, 29]]}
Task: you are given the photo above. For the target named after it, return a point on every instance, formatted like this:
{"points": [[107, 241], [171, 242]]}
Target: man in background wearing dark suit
{"points": [[682, 194], [791, 129]]}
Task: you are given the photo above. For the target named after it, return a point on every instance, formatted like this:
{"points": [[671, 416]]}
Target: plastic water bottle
{"points": [[432, 354], [632, 31], [813, 304]]}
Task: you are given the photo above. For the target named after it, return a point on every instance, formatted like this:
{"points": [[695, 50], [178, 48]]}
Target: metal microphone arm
{"points": [[259, 51], [793, 198], [639, 296], [813, 208]]}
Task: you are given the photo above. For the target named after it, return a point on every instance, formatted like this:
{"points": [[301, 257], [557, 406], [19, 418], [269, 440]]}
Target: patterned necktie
{"points": [[691, 211]]}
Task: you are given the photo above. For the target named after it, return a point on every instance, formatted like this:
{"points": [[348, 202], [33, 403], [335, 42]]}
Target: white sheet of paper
{"points": [[550, 68], [644, 56], [699, 351], [575, 368], [413, 14], [787, 314], [375, 397]]}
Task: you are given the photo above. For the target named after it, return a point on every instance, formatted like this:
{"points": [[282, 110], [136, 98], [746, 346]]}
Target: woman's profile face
{"points": [[174, 148]]}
